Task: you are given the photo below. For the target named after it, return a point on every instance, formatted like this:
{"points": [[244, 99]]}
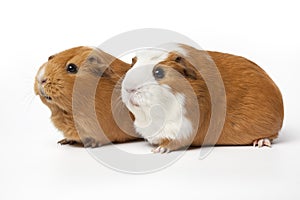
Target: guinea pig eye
{"points": [[158, 73], [72, 68], [178, 59]]}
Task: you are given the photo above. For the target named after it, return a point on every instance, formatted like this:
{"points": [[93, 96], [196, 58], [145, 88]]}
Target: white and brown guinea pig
{"points": [[55, 85], [155, 90]]}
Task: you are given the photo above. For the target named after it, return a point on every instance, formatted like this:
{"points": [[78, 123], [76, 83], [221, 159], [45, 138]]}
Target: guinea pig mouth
{"points": [[48, 98], [45, 96], [135, 99], [133, 102]]}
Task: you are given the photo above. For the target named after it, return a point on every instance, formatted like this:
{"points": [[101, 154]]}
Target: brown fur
{"points": [[93, 107], [254, 106]]}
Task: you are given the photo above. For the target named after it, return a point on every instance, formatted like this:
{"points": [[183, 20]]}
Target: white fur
{"points": [[181, 51], [40, 78], [159, 114], [41, 75]]}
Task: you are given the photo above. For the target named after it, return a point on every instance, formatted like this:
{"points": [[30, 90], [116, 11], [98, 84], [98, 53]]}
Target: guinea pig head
{"points": [[55, 79], [159, 80], [155, 74]]}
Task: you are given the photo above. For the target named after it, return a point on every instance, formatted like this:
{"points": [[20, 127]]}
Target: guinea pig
{"points": [[171, 80], [92, 74]]}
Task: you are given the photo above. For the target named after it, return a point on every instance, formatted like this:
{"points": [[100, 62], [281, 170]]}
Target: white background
{"points": [[33, 166]]}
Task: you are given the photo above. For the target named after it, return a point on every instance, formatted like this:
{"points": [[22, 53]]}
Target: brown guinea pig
{"points": [[188, 97], [77, 85]]}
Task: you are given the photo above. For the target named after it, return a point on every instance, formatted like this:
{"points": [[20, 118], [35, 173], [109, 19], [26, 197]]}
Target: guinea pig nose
{"points": [[43, 81], [131, 90]]}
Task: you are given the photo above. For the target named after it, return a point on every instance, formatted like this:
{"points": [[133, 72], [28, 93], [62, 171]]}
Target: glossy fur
{"points": [[253, 102], [93, 108], [254, 105]]}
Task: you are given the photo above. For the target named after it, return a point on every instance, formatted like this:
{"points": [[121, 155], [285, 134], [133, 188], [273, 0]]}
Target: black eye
{"points": [[178, 59], [72, 68], [158, 73]]}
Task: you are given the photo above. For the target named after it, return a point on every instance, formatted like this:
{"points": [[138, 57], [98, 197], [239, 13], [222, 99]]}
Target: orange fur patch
{"points": [[254, 102]]}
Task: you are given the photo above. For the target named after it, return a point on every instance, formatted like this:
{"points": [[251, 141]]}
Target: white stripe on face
{"points": [[41, 74]]}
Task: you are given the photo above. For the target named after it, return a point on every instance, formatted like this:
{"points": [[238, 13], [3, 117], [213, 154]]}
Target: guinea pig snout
{"points": [[130, 90], [41, 85], [134, 101], [135, 97], [42, 91], [44, 94], [42, 82]]}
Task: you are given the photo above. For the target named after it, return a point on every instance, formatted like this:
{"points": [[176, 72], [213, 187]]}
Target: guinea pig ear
{"points": [[187, 70], [97, 67], [50, 57], [133, 61]]}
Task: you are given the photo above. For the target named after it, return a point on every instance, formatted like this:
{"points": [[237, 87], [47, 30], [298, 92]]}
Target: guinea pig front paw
{"points": [[161, 149], [262, 142], [67, 141], [91, 142]]}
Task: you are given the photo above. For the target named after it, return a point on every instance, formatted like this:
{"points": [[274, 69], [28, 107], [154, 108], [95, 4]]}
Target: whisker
{"points": [[29, 98]]}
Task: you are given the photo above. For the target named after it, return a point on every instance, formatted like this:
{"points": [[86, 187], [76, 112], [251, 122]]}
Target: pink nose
{"points": [[131, 90], [43, 81]]}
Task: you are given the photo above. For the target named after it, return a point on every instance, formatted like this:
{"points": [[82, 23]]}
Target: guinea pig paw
{"points": [[262, 142], [91, 142], [66, 141], [160, 149]]}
